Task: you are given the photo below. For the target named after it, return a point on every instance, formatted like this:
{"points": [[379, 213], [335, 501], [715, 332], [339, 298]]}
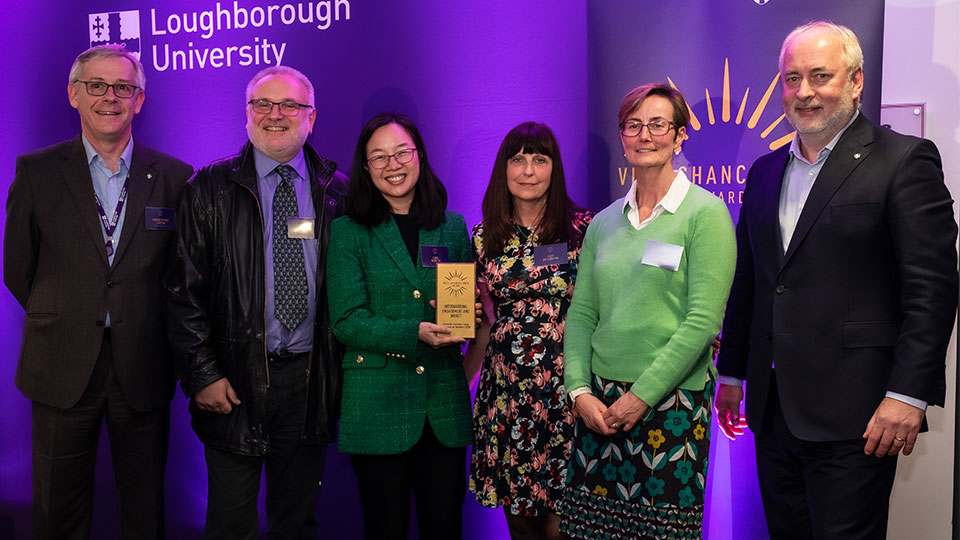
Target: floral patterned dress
{"points": [[522, 424]]}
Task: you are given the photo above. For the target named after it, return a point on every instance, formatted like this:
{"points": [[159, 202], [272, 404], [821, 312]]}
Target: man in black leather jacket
{"points": [[248, 318]]}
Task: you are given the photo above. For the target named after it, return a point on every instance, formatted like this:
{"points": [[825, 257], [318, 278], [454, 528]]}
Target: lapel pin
{"points": [[149, 176], [855, 156]]}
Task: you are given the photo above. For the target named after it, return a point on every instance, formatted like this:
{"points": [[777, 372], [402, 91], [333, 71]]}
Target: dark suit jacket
{"points": [[55, 264], [863, 301], [392, 382]]}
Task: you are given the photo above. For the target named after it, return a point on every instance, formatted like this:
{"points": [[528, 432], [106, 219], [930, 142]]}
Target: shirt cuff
{"points": [[918, 403], [573, 394], [732, 381]]}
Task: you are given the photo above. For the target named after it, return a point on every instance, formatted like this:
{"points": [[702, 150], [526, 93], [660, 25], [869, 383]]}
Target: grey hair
{"points": [[282, 70], [111, 50], [850, 49]]}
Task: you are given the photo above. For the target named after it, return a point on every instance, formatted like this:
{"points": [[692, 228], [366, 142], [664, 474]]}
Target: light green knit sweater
{"points": [[630, 321]]}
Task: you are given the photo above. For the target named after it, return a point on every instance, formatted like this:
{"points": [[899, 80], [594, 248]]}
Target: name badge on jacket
{"points": [[160, 219], [430, 256]]}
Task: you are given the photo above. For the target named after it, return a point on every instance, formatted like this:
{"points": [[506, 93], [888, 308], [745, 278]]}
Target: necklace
{"points": [[525, 234]]}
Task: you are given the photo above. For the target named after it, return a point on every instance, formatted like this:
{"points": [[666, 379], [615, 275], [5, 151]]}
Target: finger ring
{"points": [[898, 439], [615, 425]]}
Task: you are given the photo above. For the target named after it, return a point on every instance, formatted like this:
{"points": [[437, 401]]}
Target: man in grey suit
{"points": [[89, 227]]}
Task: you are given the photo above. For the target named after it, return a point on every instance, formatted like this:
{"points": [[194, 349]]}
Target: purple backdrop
{"points": [[466, 72]]}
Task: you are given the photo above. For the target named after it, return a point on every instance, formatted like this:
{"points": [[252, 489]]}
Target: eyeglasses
{"points": [[99, 88], [287, 108], [656, 128], [381, 161]]}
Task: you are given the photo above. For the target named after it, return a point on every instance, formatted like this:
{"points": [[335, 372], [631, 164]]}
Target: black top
{"points": [[410, 234]]}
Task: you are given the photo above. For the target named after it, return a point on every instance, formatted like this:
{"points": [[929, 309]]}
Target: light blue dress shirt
{"points": [[107, 186], [798, 180], [279, 337]]}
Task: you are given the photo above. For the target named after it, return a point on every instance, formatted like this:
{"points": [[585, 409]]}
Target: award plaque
{"points": [[456, 283]]}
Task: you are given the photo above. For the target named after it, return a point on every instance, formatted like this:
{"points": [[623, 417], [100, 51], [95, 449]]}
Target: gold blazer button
{"points": [[420, 370], [416, 294], [359, 359]]}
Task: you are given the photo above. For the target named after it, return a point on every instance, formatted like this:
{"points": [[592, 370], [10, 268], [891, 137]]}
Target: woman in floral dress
{"points": [[526, 250]]}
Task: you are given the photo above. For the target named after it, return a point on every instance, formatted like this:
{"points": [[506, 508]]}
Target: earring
{"points": [[676, 151]]}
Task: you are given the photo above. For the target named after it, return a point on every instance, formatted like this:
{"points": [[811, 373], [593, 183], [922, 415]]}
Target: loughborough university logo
{"points": [[119, 27]]}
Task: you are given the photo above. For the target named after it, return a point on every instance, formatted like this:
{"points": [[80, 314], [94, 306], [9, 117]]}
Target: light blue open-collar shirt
{"points": [[279, 338], [107, 186], [798, 179]]}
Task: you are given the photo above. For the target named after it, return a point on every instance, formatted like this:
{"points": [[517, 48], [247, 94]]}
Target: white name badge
{"points": [[298, 227], [662, 255]]}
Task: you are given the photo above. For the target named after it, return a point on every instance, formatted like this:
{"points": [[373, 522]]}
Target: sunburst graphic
{"points": [[754, 119], [455, 283]]}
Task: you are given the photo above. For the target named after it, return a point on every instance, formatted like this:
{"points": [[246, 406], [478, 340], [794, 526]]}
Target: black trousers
{"points": [[820, 490], [65, 454], [436, 475], [293, 469]]}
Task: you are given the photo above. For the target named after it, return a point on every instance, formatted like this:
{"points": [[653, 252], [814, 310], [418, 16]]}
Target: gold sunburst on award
{"points": [[456, 283]]}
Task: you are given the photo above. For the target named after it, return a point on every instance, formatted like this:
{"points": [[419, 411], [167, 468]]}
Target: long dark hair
{"points": [[367, 206], [556, 225]]}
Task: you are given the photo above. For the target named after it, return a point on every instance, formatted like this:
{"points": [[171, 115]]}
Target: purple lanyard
{"points": [[110, 226]]}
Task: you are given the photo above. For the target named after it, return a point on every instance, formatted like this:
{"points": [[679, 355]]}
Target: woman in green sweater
{"points": [[655, 272]]}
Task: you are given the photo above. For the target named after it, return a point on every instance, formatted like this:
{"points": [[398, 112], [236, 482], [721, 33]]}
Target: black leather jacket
{"points": [[216, 288]]}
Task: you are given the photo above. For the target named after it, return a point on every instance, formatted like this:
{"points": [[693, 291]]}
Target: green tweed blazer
{"points": [[392, 382]]}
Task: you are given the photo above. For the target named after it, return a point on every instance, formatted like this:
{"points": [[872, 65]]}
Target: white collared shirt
{"points": [[670, 202]]}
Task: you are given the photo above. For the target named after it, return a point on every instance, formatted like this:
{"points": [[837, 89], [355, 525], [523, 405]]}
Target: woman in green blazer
{"points": [[405, 414]]}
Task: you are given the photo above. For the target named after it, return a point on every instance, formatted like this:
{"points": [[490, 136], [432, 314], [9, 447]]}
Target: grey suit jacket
{"points": [[56, 266]]}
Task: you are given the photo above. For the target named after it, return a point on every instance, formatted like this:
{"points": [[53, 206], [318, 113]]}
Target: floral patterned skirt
{"points": [[644, 483]]}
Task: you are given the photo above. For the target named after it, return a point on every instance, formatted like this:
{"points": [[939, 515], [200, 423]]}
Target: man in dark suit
{"points": [[843, 300], [248, 314], [89, 227]]}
